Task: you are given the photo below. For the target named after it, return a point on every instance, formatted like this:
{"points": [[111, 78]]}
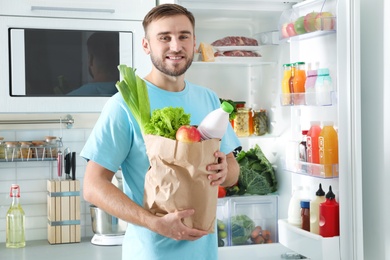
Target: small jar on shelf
{"points": [[260, 122], [243, 123], [25, 150], [11, 151], [2, 148]]}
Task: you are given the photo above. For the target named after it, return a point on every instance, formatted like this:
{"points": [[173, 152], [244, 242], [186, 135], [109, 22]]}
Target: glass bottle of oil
{"points": [[15, 219]]}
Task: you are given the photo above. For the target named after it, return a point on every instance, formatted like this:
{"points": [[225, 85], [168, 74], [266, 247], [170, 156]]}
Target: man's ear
{"points": [[145, 45]]}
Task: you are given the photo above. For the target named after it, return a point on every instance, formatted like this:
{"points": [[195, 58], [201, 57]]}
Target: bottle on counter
{"points": [[314, 210], [329, 216], [328, 149], [15, 221], [215, 123], [305, 215]]}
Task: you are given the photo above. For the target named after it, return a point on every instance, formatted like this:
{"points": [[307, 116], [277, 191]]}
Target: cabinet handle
{"points": [[71, 9]]}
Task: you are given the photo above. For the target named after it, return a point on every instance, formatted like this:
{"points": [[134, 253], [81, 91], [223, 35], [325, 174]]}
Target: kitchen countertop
{"points": [[41, 249]]}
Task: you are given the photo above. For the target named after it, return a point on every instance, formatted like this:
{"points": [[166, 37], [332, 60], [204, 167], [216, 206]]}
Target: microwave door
{"points": [[17, 52]]}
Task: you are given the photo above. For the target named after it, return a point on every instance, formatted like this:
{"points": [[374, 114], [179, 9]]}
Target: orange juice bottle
{"points": [[291, 84], [299, 82], [286, 84], [328, 146]]}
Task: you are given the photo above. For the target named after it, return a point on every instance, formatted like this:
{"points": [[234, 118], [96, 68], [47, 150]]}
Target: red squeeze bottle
{"points": [[329, 216]]}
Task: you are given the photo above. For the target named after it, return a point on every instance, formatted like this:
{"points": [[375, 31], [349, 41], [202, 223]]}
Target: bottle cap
{"points": [[315, 123], [14, 191], [227, 107], [327, 123], [304, 132], [320, 191], [323, 71], [305, 204], [287, 65], [330, 195], [312, 73]]}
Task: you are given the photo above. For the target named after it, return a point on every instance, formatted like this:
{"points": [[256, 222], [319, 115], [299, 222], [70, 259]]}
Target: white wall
{"points": [[32, 176]]}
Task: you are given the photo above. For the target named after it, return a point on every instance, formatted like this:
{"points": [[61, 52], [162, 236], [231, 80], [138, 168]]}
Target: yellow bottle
{"points": [[286, 100], [15, 221]]}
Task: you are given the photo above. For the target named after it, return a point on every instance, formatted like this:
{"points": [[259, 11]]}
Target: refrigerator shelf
{"points": [[308, 244], [325, 98], [327, 171], [235, 61]]}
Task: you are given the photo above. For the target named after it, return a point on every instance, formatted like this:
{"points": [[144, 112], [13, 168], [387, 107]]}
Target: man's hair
{"points": [[166, 10]]}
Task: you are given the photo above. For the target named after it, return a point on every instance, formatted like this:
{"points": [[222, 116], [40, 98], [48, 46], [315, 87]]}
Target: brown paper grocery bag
{"points": [[177, 179]]}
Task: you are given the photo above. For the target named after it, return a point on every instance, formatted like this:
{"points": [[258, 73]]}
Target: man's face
{"points": [[171, 44]]}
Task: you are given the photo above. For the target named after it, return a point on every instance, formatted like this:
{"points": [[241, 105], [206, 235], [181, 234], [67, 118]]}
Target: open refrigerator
{"points": [[257, 81]]}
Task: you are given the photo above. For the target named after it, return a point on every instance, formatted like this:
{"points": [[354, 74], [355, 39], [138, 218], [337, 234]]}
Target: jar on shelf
{"points": [[243, 123], [51, 146], [38, 149], [25, 150], [260, 122], [11, 151], [2, 148]]}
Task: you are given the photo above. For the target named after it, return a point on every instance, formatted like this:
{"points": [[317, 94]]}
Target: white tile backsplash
{"points": [[32, 177]]}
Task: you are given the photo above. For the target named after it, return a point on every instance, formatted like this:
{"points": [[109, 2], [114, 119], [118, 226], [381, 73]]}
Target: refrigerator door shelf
{"points": [[315, 246], [324, 171]]}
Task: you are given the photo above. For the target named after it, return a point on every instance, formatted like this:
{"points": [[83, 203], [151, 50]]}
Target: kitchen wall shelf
{"points": [[26, 152]]}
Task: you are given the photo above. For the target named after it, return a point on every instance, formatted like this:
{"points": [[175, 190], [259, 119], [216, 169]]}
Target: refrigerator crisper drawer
{"points": [[247, 220], [308, 244]]}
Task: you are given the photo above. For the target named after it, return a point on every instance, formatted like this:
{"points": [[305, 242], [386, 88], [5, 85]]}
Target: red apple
{"points": [[309, 21], [290, 29], [284, 31], [188, 134], [324, 21]]}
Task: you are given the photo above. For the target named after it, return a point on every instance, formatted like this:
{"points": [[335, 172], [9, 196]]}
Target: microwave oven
{"points": [[45, 61]]}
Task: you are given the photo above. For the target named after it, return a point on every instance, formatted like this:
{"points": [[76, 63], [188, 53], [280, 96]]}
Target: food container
{"points": [[2, 148], [243, 123], [38, 149], [25, 150], [105, 224], [11, 151], [260, 122], [51, 146]]}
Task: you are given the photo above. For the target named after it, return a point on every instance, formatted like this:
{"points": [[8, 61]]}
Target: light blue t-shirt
{"points": [[116, 140]]}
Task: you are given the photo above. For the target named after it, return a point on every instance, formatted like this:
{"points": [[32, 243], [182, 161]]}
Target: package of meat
{"points": [[235, 41], [236, 53]]}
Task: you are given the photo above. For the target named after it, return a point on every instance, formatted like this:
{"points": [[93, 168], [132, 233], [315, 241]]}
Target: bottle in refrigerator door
{"points": [[215, 123], [329, 216], [286, 99], [15, 221], [314, 210], [310, 91], [323, 87], [305, 215], [291, 84], [294, 207], [328, 149], [299, 83], [302, 150], [312, 147]]}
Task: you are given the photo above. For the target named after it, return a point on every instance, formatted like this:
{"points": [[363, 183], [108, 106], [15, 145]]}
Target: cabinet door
{"points": [[102, 9]]}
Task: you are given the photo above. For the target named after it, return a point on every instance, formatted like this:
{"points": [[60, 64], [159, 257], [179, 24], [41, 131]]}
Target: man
{"points": [[103, 59], [117, 141]]}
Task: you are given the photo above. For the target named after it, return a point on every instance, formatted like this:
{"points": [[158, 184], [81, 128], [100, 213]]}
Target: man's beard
{"points": [[176, 71]]}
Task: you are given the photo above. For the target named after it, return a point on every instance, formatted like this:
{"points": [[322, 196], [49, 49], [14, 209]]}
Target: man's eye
{"points": [[183, 37], [165, 38]]}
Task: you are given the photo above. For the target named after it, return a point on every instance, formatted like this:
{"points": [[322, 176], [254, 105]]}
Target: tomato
{"points": [[221, 192]]}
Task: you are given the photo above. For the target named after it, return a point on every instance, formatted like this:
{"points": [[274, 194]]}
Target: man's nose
{"points": [[175, 44]]}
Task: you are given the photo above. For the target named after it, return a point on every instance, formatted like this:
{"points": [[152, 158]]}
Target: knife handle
{"points": [[73, 165], [67, 163], [59, 164]]}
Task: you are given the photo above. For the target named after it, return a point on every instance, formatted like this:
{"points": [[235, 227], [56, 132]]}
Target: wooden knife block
{"points": [[63, 211]]}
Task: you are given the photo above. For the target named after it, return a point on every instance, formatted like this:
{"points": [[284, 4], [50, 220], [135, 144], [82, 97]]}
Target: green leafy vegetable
{"points": [[242, 227], [166, 121], [257, 176], [135, 94]]}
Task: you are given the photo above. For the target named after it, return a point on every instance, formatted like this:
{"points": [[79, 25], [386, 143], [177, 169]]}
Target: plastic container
{"points": [[310, 90], [286, 99], [215, 123], [15, 221], [329, 216], [305, 215], [260, 122], [323, 87], [314, 210], [299, 83], [328, 149], [294, 207], [312, 146]]}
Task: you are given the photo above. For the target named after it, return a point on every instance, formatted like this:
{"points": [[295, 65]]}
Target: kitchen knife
{"points": [[59, 164], [73, 165], [67, 164]]}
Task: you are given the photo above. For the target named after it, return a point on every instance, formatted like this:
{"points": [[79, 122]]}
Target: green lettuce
{"points": [[166, 121], [241, 227]]}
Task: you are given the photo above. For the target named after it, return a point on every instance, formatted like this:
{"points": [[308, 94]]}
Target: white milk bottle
{"points": [[294, 207], [215, 123]]}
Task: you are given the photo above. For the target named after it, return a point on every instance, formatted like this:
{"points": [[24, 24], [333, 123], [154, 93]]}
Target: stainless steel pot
{"points": [[105, 224]]}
